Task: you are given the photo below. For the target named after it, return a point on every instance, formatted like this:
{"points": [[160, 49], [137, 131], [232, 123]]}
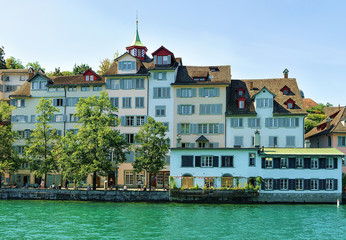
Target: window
{"points": [[115, 102], [299, 184], [290, 141], [330, 163], [314, 163], [268, 184], [186, 109], [59, 102], [341, 141], [20, 134], [139, 84], [164, 59], [264, 102], [6, 78], [199, 78], [273, 141], [206, 161], [213, 128], [27, 133], [329, 184], [236, 122], [166, 124], [241, 103], [283, 184], [97, 88], [284, 163], [22, 78], [209, 92], [140, 120], [139, 102], [299, 162], [160, 111], [291, 122], [254, 122], [129, 121], [20, 149], [72, 89], [59, 118], [186, 92], [130, 138], [129, 178], [126, 65], [227, 161], [160, 76], [268, 162], [126, 102], [252, 159], [85, 89], [10, 88], [314, 184], [72, 101], [73, 118], [238, 141], [213, 109], [290, 105], [162, 92], [272, 122], [87, 78], [19, 103], [202, 128], [113, 84], [185, 128], [202, 144], [19, 118]]}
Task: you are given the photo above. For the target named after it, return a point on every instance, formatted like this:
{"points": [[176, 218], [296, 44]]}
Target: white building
{"points": [[12, 79]]}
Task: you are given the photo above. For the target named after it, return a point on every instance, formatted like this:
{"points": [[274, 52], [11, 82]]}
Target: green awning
{"points": [[302, 151]]}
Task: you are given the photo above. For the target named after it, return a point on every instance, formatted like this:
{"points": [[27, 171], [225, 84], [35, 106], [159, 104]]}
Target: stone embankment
{"points": [[83, 195]]}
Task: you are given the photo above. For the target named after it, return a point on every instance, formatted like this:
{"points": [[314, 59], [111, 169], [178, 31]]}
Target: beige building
{"points": [[12, 79]]}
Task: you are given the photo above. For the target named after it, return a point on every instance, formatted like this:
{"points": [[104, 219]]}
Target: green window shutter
{"points": [[192, 145], [221, 128], [108, 84], [258, 122], [164, 76], [155, 59], [155, 75], [271, 102], [193, 128], [240, 122], [22, 103], [193, 109], [121, 83], [122, 121], [232, 122], [55, 102], [13, 102], [179, 128], [178, 92], [216, 92], [267, 122], [155, 92], [132, 83], [193, 92], [169, 59], [120, 65], [297, 122], [179, 109], [201, 92]]}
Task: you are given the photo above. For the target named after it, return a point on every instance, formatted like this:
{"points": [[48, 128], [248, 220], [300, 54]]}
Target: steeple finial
{"points": [[137, 41]]}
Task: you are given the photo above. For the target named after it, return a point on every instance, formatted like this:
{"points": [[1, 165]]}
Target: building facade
{"points": [[12, 79]]}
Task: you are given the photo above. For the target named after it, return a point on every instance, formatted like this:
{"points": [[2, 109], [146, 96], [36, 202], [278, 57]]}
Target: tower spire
{"points": [[136, 48], [136, 40]]}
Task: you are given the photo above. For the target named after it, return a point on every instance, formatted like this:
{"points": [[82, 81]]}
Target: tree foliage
{"points": [[88, 151], [35, 65], [104, 66], [9, 160], [41, 147], [315, 116], [80, 69], [2, 58], [153, 147], [13, 63]]}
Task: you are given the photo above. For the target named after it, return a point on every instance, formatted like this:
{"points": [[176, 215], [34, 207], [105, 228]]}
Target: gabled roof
{"points": [[92, 72], [202, 138], [263, 89], [23, 91], [336, 125], [42, 75], [254, 86], [186, 74], [308, 103], [162, 48]]}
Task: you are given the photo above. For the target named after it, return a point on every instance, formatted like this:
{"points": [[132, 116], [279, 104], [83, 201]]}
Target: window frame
{"points": [[207, 161]]}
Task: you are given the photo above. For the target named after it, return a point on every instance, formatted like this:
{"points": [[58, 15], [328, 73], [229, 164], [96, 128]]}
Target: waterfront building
{"points": [[12, 79], [331, 132]]}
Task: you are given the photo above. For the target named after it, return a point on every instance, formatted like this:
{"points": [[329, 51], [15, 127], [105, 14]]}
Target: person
{"points": [[125, 188], [53, 186], [145, 188], [88, 187], [139, 184], [59, 186], [42, 184], [66, 184], [111, 184]]}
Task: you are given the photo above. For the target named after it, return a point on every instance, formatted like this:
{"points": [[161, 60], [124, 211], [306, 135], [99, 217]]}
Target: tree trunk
{"points": [[94, 181], [45, 180], [148, 181]]}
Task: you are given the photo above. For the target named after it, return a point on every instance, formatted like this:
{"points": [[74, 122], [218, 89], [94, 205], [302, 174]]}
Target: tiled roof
{"points": [[113, 69], [186, 74], [336, 125], [253, 86], [302, 151], [14, 71], [308, 103], [74, 80], [24, 90]]}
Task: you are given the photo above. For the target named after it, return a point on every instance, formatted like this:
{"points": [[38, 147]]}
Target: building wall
{"points": [[197, 118], [15, 79]]}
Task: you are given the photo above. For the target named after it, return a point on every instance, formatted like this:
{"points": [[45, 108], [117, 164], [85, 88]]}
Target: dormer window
{"points": [[241, 103], [90, 75], [285, 90], [240, 91], [290, 103], [199, 78], [214, 69], [162, 60]]}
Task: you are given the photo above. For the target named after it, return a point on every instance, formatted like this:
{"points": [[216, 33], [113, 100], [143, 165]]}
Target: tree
{"points": [[80, 69], [315, 116], [150, 154], [95, 137], [35, 65], [13, 63], [9, 160], [41, 147], [2, 59], [104, 66]]}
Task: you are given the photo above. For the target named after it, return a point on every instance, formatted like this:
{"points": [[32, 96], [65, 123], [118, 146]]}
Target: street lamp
{"points": [[178, 140]]}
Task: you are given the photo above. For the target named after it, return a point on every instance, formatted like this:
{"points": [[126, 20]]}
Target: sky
{"points": [[259, 39]]}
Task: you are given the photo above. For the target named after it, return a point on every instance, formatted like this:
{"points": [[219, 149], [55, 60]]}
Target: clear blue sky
{"points": [[259, 39]]}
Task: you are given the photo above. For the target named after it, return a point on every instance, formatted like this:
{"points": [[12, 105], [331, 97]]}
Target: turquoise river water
{"points": [[94, 220]]}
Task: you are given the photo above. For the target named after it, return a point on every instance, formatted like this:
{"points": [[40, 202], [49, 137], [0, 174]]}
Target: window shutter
{"points": [[187, 161], [168, 90], [276, 184], [178, 92], [120, 65], [164, 76], [155, 92], [64, 101], [322, 184], [276, 163], [271, 141], [155, 59], [291, 184], [201, 92], [192, 109], [216, 92], [13, 118], [219, 109], [263, 162], [249, 122], [193, 92], [65, 118], [258, 122], [108, 84], [155, 75], [335, 163], [297, 122], [201, 109], [267, 122], [122, 120], [307, 163], [54, 102], [13, 102], [321, 163], [179, 109], [192, 145], [221, 128], [178, 128], [133, 66], [121, 83], [282, 122], [335, 184], [22, 103], [197, 161], [258, 103], [240, 122], [193, 128], [291, 163], [307, 184], [169, 59], [271, 102], [232, 122], [215, 161]]}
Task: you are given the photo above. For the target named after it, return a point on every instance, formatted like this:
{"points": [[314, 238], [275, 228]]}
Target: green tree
{"points": [[2, 59], [152, 149], [104, 66], [13, 63], [41, 147], [9, 160], [80, 69], [315, 116], [35, 65], [96, 138]]}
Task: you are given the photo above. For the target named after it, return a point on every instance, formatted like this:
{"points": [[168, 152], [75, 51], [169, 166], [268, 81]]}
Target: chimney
{"points": [[286, 73]]}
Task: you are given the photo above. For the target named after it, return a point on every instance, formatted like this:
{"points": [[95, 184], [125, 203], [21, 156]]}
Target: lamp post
{"points": [[178, 140]]}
